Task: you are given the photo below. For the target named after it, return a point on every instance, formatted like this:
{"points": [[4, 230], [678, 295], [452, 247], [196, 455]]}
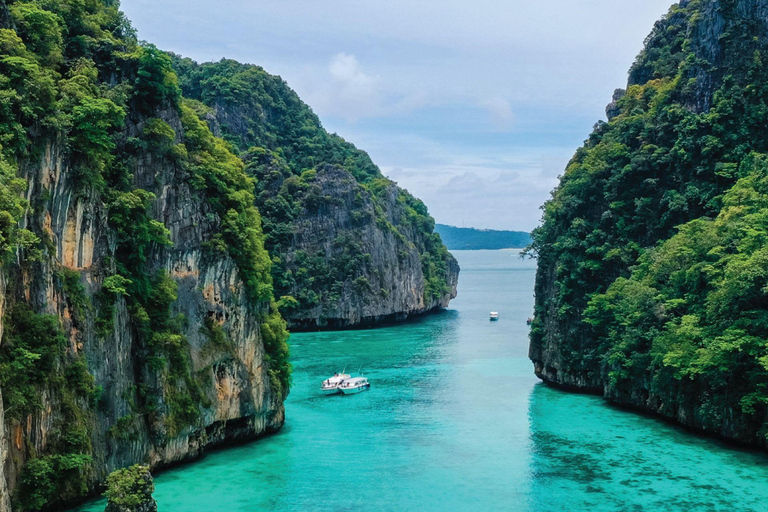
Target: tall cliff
{"points": [[651, 286], [136, 310], [349, 247]]}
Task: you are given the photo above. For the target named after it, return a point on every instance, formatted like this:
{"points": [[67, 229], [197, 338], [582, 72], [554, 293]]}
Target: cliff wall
{"points": [[5, 498], [137, 319], [349, 264], [324, 204], [133, 419], [140, 293], [641, 290]]}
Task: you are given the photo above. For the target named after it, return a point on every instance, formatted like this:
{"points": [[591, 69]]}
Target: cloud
{"points": [[484, 193], [346, 69], [348, 91], [344, 89], [462, 184], [500, 110], [474, 106], [358, 92]]}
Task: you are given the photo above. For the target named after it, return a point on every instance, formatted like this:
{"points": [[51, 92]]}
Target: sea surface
{"points": [[456, 421]]}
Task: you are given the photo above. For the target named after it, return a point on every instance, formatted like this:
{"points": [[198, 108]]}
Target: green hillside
{"points": [[471, 239]]}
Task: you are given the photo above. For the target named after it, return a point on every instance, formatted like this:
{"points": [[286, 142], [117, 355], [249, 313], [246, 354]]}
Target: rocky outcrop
{"points": [[694, 71], [613, 110], [341, 228], [130, 490], [351, 249], [238, 401], [5, 498]]}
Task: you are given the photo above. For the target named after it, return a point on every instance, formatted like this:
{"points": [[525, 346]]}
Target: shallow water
{"points": [[455, 420]]}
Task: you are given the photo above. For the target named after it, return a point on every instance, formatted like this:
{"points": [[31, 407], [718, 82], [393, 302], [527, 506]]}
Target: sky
{"points": [[474, 106]]}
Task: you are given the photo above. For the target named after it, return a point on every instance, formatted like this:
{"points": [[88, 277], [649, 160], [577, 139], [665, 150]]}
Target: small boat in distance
{"points": [[494, 316], [356, 385], [331, 385]]}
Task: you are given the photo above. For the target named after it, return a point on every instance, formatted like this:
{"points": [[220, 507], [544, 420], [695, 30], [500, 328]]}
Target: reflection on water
{"points": [[455, 420]]}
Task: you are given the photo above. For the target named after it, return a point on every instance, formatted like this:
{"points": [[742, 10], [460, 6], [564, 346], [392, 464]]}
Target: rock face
{"points": [[613, 110], [5, 498], [238, 401], [350, 248], [149, 506], [602, 218], [381, 278], [138, 315]]}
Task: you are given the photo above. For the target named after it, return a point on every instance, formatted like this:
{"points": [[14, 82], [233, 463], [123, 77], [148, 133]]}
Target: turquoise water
{"points": [[456, 421]]}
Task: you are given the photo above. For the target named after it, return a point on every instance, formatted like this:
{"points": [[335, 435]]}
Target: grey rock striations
{"points": [[386, 282], [325, 204], [237, 400]]}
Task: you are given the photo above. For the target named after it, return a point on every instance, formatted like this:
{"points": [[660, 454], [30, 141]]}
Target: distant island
{"points": [[477, 239]]}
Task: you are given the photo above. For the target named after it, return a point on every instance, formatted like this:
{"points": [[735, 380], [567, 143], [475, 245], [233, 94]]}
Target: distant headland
{"points": [[473, 239]]}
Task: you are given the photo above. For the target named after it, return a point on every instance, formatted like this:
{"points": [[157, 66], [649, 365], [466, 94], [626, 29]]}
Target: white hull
{"points": [[352, 391], [330, 391]]}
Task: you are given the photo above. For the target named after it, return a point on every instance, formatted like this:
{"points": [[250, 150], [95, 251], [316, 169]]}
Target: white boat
{"points": [[356, 385], [494, 316], [330, 386]]}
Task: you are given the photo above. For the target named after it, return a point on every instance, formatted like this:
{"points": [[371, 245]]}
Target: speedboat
{"points": [[330, 386], [494, 316], [356, 385]]}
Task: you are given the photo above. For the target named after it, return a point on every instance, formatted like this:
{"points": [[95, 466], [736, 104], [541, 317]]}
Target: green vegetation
{"points": [[32, 345], [221, 175], [33, 358], [11, 208], [73, 74], [51, 478], [471, 239], [274, 116], [69, 281], [315, 277], [275, 336], [694, 313], [651, 252], [168, 353], [285, 147], [129, 487]]}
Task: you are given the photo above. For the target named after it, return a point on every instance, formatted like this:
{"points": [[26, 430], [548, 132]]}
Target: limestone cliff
{"points": [[237, 400], [137, 319], [5, 498], [140, 309], [350, 248], [637, 240], [350, 257]]}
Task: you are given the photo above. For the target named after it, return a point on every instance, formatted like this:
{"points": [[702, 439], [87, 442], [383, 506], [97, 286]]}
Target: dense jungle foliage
{"points": [[72, 73], [284, 145], [129, 489], [652, 281]]}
